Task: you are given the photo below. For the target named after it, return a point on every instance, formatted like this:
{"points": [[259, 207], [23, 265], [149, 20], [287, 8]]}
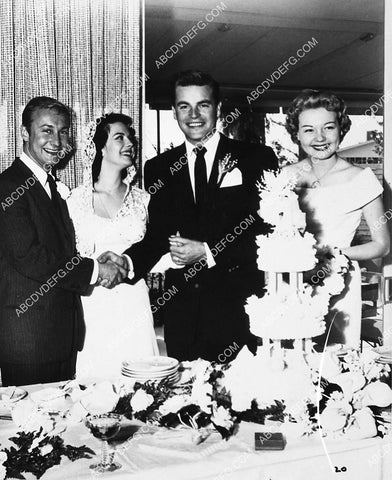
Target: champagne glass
{"points": [[104, 426]]}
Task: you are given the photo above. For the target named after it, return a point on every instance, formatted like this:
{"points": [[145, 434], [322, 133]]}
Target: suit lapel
{"points": [[67, 222], [38, 192], [221, 151]]}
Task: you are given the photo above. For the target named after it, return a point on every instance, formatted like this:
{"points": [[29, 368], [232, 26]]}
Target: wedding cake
{"points": [[289, 310]]}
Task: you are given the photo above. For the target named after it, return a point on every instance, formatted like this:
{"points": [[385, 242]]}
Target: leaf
{"points": [[21, 460]]}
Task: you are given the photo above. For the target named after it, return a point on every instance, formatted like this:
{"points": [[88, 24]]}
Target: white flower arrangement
{"points": [[348, 411]]}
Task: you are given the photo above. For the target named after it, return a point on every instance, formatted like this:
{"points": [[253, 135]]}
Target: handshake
{"points": [[113, 269]]}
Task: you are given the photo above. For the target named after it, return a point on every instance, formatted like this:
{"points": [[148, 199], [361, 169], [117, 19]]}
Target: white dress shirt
{"points": [[211, 146], [38, 171], [42, 177]]}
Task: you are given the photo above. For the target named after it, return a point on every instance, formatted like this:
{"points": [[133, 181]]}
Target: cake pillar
{"points": [[308, 345]]}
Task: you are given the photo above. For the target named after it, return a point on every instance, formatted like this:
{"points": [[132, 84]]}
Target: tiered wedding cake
{"points": [[289, 310], [290, 313]]}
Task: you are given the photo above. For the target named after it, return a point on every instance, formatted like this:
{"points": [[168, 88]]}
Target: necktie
{"points": [[200, 177], [54, 193]]}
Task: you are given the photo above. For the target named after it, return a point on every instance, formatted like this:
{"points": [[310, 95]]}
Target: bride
{"points": [[110, 213]]}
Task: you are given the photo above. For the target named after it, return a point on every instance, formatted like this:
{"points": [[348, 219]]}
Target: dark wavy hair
{"points": [[308, 99], [101, 135], [195, 77], [43, 103]]}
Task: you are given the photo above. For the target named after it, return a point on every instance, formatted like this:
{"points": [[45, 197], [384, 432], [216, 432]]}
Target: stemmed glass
{"points": [[104, 426]]}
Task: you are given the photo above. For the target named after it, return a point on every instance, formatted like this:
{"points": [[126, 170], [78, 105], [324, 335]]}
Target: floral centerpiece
{"points": [[352, 392], [219, 397], [340, 397]]}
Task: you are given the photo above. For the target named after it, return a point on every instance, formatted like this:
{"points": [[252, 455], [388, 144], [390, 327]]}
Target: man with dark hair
{"points": [[41, 323], [195, 77], [204, 211]]}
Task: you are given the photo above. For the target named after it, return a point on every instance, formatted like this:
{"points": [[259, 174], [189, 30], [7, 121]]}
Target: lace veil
{"points": [[88, 154]]}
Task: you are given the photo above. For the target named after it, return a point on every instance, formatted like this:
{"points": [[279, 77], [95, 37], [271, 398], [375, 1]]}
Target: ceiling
{"points": [[247, 40]]}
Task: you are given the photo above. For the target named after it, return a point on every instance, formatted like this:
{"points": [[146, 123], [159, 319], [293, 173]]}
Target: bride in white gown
{"points": [[335, 194], [109, 213]]}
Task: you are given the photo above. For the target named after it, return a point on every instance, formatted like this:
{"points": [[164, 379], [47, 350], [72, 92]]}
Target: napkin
{"points": [[99, 398]]}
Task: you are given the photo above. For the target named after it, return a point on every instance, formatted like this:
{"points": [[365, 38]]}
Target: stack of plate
{"points": [[154, 369], [385, 354]]}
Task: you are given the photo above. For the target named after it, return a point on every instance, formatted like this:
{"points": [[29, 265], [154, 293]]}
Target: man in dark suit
{"points": [[204, 211], [41, 322]]}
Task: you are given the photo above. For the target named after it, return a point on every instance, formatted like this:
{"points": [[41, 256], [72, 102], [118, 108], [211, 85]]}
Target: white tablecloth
{"points": [[147, 457]]}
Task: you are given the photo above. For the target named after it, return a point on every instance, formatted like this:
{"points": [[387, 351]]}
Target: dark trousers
{"points": [[29, 374]]}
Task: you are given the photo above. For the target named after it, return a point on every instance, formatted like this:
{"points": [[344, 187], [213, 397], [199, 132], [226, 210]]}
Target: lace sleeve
{"points": [[142, 198]]}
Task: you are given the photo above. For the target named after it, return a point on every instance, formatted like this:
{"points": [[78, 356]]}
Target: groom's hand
{"points": [[111, 274], [121, 260], [113, 269], [185, 251]]}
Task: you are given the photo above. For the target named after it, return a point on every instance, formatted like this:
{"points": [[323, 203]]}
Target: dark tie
{"points": [[200, 177], [54, 193]]}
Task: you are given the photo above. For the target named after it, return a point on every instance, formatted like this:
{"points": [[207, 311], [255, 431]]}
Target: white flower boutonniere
{"points": [[225, 165], [63, 190]]}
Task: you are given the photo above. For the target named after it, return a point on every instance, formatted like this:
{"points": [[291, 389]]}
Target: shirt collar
{"points": [[211, 144], [36, 169]]}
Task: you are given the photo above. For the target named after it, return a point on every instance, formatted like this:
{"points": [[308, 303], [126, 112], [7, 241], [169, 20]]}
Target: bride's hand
{"points": [[121, 260], [111, 274]]}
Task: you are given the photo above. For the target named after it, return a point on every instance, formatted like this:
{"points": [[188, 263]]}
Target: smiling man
{"points": [[205, 214], [41, 324]]}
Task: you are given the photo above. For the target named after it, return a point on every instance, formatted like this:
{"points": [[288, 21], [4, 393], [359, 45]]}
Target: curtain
{"points": [[85, 53]]}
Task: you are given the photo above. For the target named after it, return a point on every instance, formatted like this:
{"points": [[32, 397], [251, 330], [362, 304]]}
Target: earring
{"points": [[131, 172]]}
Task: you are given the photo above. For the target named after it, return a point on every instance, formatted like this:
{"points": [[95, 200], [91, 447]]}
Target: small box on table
{"points": [[269, 441]]}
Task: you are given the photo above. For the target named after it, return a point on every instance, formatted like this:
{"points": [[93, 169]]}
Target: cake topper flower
{"points": [[225, 165]]}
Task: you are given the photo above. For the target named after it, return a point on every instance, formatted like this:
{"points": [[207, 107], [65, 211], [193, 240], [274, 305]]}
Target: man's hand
{"points": [[185, 251], [121, 260], [113, 269], [111, 274]]}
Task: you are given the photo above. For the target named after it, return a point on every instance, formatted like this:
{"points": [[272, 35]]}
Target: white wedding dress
{"points": [[333, 214], [119, 322]]}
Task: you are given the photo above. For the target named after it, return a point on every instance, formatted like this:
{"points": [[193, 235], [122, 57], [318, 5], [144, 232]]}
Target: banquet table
{"points": [[152, 456]]}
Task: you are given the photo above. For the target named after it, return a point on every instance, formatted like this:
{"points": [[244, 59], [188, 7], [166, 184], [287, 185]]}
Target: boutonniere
{"points": [[63, 190], [225, 165]]}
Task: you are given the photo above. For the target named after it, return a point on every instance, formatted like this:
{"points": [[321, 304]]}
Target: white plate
{"points": [[144, 379], [11, 395], [172, 378], [149, 374], [151, 364]]}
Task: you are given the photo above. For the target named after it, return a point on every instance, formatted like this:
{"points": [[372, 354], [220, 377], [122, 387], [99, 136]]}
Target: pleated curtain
{"points": [[85, 53]]}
